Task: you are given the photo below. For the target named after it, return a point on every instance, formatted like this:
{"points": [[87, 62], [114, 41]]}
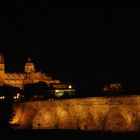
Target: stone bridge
{"points": [[121, 113]]}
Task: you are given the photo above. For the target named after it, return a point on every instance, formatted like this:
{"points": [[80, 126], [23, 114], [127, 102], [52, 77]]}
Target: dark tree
{"points": [[39, 90], [6, 114]]}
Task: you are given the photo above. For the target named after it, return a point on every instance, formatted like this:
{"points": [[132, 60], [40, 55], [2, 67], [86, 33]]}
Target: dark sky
{"points": [[73, 44]]}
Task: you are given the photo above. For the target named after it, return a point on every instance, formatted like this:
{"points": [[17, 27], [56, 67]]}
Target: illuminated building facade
{"points": [[29, 76], [113, 87]]}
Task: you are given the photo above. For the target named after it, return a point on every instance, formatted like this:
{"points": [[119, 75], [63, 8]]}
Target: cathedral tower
{"points": [[2, 67]]}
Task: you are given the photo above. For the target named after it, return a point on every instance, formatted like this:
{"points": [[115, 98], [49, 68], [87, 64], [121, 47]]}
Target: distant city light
{"points": [[69, 86], [18, 94], [15, 97], [2, 97], [56, 91]]}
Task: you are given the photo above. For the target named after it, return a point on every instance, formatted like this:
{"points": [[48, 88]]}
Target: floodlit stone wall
{"points": [[96, 114]]}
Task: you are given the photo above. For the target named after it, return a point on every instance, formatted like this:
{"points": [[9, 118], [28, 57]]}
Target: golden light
{"points": [[15, 97], [2, 97], [56, 90], [70, 87], [18, 94]]}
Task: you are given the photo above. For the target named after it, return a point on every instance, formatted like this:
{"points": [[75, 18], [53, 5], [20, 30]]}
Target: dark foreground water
{"points": [[64, 135]]}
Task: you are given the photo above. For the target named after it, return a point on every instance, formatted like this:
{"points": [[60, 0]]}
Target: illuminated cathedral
{"points": [[29, 76]]}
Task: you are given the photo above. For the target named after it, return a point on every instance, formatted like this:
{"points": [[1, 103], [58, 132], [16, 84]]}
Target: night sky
{"points": [[73, 44]]}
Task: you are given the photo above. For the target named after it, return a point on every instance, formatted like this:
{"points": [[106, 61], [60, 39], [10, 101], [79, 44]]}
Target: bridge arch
{"points": [[85, 120], [117, 120], [64, 119], [44, 119]]}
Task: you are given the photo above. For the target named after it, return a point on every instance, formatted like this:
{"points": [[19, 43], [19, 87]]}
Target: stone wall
{"points": [[95, 114]]}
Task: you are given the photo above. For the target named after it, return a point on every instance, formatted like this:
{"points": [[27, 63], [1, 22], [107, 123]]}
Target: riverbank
{"points": [[66, 135]]}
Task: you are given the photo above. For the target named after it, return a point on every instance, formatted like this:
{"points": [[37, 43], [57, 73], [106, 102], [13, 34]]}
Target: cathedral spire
{"points": [[2, 67]]}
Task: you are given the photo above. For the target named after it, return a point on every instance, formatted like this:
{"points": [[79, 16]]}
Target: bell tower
{"points": [[2, 67]]}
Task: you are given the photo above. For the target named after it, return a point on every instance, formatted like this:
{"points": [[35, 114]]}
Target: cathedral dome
{"points": [[29, 66]]}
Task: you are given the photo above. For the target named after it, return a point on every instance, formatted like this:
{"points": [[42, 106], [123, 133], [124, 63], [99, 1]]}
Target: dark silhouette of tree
{"points": [[6, 111], [6, 114], [39, 89]]}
